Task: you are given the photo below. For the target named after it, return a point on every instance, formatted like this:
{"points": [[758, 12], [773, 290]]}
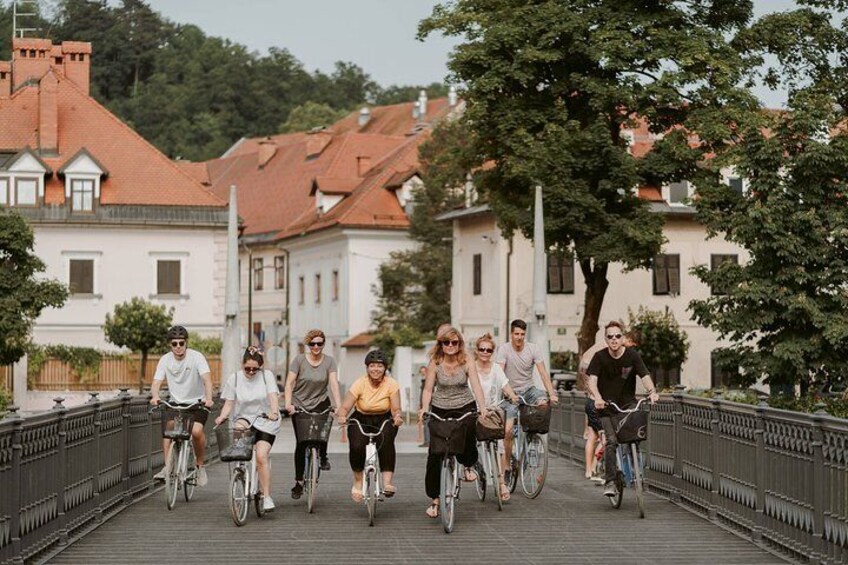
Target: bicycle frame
{"points": [[450, 483], [180, 452], [371, 471], [312, 467], [630, 467]]}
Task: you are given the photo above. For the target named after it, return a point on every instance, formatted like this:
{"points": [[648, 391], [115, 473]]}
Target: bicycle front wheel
{"points": [[191, 471], [172, 475], [637, 475], [534, 466], [238, 497], [311, 475], [480, 482], [495, 471], [371, 495], [448, 492]]}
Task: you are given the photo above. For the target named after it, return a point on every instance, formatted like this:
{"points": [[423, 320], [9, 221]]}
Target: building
{"points": [[113, 217]]}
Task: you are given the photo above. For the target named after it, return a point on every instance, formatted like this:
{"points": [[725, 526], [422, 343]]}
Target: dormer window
{"points": [[677, 193], [22, 183], [82, 175], [82, 195], [26, 191]]}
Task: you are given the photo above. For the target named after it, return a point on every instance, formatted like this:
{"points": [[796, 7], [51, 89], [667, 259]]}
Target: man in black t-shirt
{"points": [[612, 378]]}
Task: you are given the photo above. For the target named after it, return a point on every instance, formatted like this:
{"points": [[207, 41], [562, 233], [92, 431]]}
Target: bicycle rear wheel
{"points": [[534, 466], [480, 482], [238, 497], [191, 472], [637, 475], [495, 471], [172, 475], [615, 501], [311, 483], [371, 495], [447, 494]]}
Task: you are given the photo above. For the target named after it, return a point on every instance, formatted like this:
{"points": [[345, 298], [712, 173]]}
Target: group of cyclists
{"points": [[456, 382]]}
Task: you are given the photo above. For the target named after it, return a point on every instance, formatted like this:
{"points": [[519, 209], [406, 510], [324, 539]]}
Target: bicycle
{"points": [[450, 484], [313, 428], [181, 464], [372, 478], [529, 457], [488, 465], [236, 448], [630, 467]]}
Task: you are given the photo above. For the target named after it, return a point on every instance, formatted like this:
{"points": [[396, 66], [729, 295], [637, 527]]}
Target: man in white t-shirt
{"points": [[189, 380], [518, 357]]}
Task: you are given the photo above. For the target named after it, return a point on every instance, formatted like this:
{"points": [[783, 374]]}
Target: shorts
{"points": [[531, 395], [592, 416], [263, 436]]}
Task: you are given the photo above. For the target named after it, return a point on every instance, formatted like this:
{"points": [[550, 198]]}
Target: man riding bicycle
{"points": [[612, 378], [189, 379]]}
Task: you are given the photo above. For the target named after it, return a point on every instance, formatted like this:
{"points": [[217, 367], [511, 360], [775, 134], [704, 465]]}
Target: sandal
{"points": [[470, 475], [389, 491], [433, 510], [356, 494], [504, 493]]}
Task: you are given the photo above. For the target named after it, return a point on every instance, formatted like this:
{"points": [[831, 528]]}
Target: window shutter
{"points": [[673, 266], [554, 280], [81, 276], [567, 275], [478, 274], [660, 275], [168, 277]]}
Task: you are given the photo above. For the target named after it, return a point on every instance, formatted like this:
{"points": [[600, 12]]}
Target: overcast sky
{"points": [[377, 35]]}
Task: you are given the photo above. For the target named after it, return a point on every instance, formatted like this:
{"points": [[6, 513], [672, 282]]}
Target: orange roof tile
{"points": [[364, 339]]}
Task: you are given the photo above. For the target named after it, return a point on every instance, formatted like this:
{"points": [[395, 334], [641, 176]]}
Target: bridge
{"points": [[729, 484]]}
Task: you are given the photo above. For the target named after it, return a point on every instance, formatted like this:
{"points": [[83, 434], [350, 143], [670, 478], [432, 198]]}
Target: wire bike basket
{"points": [[313, 427], [535, 418], [493, 426], [176, 424], [235, 444]]}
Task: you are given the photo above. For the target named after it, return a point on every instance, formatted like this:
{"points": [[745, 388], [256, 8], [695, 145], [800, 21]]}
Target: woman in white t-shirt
{"points": [[495, 387], [250, 393]]}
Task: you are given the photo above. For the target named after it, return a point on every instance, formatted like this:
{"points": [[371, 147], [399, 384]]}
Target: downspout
{"points": [[508, 272]]}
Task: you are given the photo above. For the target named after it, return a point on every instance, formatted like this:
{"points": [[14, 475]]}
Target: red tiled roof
{"points": [[335, 185], [364, 339]]}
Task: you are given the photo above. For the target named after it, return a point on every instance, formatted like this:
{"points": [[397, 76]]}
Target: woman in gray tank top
{"points": [[451, 372]]}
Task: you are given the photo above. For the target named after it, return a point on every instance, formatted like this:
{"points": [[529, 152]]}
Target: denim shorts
{"points": [[531, 395]]}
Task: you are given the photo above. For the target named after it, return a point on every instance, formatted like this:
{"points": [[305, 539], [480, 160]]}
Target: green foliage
{"points": [[5, 400], [311, 115], [836, 406], [565, 360], [388, 340], [550, 87], [138, 325], [661, 342], [83, 361], [401, 94], [210, 345], [23, 293]]}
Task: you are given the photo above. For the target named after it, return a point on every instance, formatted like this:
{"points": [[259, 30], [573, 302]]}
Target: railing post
{"points": [[15, 487], [125, 435], [677, 395], [150, 482], [818, 485], [60, 477], [760, 466], [714, 456], [572, 444], [98, 425]]}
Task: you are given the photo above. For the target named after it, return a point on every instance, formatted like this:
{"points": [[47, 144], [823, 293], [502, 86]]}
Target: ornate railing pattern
{"points": [[64, 471], [779, 478]]}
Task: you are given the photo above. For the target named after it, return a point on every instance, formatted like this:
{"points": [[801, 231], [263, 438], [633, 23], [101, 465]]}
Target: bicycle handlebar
{"points": [[304, 411], [464, 416], [624, 410], [179, 407], [263, 415], [363, 432]]}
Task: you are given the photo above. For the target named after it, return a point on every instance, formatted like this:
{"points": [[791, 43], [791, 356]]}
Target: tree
{"points": [[23, 294], [310, 115], [552, 85], [661, 342], [139, 326], [784, 309], [399, 94]]}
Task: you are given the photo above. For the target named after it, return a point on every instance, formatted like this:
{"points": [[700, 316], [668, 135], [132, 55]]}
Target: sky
{"points": [[377, 35]]}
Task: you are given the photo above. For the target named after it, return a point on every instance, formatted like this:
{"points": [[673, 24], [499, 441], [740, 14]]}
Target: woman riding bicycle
{"points": [[495, 386], [248, 394], [376, 398], [312, 378], [450, 372]]}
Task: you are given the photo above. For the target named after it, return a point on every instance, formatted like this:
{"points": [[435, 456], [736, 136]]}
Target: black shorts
{"points": [[592, 416], [264, 436]]}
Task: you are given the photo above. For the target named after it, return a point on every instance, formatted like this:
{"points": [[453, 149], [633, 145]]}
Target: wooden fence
{"points": [[114, 373]]}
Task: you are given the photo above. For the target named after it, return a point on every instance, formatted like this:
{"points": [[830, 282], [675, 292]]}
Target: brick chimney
{"points": [[48, 114], [267, 149], [76, 63], [5, 79], [30, 59]]}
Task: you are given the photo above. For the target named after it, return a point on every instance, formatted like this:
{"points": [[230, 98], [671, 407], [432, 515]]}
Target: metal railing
{"points": [[64, 471], [779, 478]]}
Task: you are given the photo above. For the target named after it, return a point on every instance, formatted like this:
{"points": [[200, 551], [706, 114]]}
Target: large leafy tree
{"points": [[23, 293], [785, 309], [552, 85]]}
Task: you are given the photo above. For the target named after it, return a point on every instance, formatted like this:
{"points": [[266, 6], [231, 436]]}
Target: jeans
{"points": [[531, 395]]}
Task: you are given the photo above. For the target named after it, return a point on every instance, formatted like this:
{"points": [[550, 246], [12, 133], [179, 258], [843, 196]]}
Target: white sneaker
{"points": [[202, 479], [160, 476], [268, 504]]}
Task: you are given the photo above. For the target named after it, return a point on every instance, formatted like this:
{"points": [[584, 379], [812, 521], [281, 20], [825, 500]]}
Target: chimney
{"points": [[364, 116], [363, 164], [452, 97], [76, 62], [5, 79], [48, 114], [267, 149], [422, 105], [30, 59], [415, 112]]}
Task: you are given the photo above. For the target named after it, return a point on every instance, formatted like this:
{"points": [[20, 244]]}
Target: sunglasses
{"points": [[315, 344], [485, 350], [614, 336], [180, 343], [251, 370], [451, 342]]}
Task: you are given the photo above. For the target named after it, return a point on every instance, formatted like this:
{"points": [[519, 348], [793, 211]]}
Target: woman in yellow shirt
{"points": [[376, 398]]}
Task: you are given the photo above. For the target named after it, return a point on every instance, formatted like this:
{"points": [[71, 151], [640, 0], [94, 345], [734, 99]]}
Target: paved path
{"points": [[566, 524]]}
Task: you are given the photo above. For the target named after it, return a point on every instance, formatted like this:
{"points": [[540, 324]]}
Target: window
{"points": [[478, 274], [168, 277], [4, 192], [737, 184], [81, 276], [560, 274], [258, 282], [715, 262], [667, 274], [678, 192], [317, 288], [335, 286], [722, 374], [258, 334], [301, 290], [26, 192], [280, 271], [82, 195], [665, 378]]}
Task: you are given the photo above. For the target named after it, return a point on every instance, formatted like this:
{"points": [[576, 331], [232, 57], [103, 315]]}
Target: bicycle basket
{"points": [[492, 426], [176, 424], [631, 427], [235, 444], [535, 418], [313, 427], [447, 438]]}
